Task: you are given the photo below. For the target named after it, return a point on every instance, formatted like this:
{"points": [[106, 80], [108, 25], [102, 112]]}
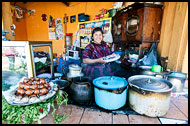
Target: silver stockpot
{"points": [[149, 95], [178, 80]]}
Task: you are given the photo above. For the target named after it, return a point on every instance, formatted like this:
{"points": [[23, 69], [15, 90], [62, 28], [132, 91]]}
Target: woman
{"points": [[93, 55]]}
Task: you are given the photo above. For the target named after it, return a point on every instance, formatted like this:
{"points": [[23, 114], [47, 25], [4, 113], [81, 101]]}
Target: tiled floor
{"points": [[80, 115]]}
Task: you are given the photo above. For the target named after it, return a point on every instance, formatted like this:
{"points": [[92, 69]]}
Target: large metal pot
{"points": [[149, 95], [178, 80], [110, 92], [81, 89], [146, 70]]}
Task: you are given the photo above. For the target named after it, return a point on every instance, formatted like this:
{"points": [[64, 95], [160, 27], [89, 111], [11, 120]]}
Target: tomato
{"points": [[41, 110]]}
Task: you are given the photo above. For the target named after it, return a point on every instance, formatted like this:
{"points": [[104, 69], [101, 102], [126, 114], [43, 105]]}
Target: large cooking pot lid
{"points": [[150, 83], [178, 75], [146, 67], [110, 82]]}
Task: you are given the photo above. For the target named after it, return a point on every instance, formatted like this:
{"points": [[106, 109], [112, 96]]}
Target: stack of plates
{"points": [[48, 75]]}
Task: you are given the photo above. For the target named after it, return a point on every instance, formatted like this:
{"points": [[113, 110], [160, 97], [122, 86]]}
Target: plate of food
{"points": [[112, 57], [30, 91]]}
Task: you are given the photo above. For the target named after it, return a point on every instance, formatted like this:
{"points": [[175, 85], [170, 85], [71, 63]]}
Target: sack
{"points": [[108, 37], [150, 58]]}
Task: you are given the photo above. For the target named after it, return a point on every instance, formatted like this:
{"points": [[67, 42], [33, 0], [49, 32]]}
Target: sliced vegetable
{"points": [[41, 110]]}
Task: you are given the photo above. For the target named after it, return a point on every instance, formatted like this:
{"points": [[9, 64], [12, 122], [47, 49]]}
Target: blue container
{"points": [[110, 92], [118, 52]]}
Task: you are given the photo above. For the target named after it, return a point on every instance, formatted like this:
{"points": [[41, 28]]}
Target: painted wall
{"points": [[37, 30], [20, 31]]}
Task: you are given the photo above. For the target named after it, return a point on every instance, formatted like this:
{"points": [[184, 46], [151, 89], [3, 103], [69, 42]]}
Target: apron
{"points": [[97, 70]]}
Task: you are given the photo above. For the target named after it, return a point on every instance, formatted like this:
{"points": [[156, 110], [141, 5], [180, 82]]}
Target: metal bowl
{"points": [[146, 70], [62, 84]]}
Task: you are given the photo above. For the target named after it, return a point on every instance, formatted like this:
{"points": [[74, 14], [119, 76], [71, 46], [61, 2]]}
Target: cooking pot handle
{"points": [[120, 90], [116, 91], [139, 90]]}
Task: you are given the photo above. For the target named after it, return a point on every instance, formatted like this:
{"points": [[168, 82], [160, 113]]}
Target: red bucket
{"points": [[68, 34]]}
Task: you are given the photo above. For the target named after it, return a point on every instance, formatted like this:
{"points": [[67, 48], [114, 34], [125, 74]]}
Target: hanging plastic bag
{"points": [[61, 65], [76, 42], [150, 58], [108, 37]]}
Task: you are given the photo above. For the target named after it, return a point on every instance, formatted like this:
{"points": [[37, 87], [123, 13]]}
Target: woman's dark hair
{"points": [[95, 30]]}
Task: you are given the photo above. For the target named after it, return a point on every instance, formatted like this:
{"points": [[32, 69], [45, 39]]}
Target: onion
{"points": [[37, 91], [29, 92], [26, 86]]}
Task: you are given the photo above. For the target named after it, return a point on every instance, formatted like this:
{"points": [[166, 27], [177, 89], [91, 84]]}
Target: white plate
{"points": [[111, 58], [9, 94], [58, 74], [44, 75]]}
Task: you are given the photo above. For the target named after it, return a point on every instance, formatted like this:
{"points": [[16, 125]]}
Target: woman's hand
{"points": [[101, 60]]}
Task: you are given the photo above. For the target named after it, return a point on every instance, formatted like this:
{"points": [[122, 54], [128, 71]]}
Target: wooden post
{"points": [[179, 37], [167, 28], [174, 34]]}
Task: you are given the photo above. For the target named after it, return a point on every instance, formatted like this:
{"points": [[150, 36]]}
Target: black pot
{"points": [[81, 90]]}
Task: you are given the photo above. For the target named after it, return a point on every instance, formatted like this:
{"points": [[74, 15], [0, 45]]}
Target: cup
{"points": [[156, 68]]}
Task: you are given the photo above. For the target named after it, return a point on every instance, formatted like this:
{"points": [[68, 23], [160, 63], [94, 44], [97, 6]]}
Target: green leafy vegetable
{"points": [[59, 118], [62, 98], [14, 114], [40, 65]]}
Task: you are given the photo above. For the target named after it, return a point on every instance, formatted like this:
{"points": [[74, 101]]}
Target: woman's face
{"points": [[97, 36]]}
